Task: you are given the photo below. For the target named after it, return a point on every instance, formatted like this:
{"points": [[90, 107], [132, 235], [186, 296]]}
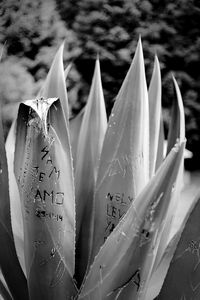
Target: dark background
{"points": [[31, 32]]}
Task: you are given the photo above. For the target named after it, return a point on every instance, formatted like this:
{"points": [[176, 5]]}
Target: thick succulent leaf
{"points": [[89, 148], [158, 276], [154, 115], [171, 214], [15, 203], [182, 280], [43, 168], [54, 85], [159, 218], [117, 270], [177, 123], [178, 109], [184, 206], [9, 262], [74, 130], [124, 164]]}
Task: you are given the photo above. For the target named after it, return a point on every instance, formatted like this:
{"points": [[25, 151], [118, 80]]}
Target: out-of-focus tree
{"points": [[30, 29], [183, 58], [16, 83], [31, 32]]}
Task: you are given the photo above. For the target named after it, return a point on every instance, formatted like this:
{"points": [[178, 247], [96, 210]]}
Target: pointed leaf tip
{"points": [[139, 49], [177, 124], [181, 108]]}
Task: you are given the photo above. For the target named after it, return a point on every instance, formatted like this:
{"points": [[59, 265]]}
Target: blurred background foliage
{"points": [[32, 31]]}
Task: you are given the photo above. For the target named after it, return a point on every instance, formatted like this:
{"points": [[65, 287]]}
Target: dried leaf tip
{"points": [[41, 107]]}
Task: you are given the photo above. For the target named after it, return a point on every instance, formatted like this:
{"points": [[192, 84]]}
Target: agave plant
{"points": [[92, 204]]}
